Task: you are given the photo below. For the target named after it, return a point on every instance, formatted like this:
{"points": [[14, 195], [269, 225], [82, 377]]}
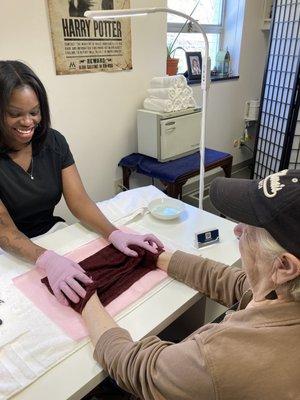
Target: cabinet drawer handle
{"points": [[171, 129]]}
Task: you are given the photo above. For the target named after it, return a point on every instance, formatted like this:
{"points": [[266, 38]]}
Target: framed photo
{"points": [[194, 64]]}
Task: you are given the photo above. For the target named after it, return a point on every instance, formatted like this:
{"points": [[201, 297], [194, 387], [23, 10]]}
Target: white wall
{"points": [[97, 112]]}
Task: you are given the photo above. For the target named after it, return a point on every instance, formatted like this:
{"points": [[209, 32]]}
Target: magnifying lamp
{"points": [[205, 75]]}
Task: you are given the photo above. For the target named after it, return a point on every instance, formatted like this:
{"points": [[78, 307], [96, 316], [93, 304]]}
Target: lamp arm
{"points": [[139, 11], [205, 83]]}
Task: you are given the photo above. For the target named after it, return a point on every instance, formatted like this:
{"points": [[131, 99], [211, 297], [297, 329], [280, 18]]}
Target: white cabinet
{"points": [[167, 136], [267, 14], [180, 136]]}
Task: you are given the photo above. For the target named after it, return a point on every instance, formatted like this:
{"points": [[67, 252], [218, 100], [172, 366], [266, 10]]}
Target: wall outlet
{"points": [[237, 143]]}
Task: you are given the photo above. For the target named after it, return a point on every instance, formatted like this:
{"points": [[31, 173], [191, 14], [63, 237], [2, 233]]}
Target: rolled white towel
{"points": [[160, 105], [180, 81], [185, 103], [178, 104], [187, 91], [185, 97], [168, 81], [188, 102], [178, 91], [182, 92], [163, 93], [192, 102]]}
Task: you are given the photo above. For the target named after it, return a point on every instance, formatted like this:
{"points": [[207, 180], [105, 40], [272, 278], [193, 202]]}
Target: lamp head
{"points": [[125, 13]]}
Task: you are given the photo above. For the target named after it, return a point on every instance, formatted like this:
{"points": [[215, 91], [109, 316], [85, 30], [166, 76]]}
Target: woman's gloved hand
{"points": [[63, 275], [121, 241]]}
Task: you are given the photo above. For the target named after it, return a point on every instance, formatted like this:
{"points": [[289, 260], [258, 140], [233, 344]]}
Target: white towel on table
{"points": [[159, 105], [176, 81], [127, 205], [29, 342]]}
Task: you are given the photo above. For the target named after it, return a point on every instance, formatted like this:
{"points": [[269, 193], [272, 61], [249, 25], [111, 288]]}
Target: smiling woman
{"points": [[22, 118], [18, 99], [36, 169]]}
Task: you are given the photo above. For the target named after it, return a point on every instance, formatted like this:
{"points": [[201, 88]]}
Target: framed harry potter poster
{"points": [[82, 45]]}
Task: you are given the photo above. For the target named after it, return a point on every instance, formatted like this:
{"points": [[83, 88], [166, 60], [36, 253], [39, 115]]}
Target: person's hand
{"points": [[63, 276], [121, 241]]}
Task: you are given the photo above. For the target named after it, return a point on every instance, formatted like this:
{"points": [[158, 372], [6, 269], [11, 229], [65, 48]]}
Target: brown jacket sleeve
{"points": [[219, 282], [153, 369]]}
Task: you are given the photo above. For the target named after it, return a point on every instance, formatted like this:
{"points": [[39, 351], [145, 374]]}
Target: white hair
{"points": [[268, 249]]}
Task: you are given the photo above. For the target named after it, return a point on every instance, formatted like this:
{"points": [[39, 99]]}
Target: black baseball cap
{"points": [[272, 203]]}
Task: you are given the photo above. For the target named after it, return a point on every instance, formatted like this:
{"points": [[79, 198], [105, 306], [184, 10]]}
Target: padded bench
{"points": [[174, 174]]}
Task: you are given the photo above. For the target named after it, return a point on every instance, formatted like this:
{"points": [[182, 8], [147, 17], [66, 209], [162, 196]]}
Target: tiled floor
{"points": [[192, 198]]}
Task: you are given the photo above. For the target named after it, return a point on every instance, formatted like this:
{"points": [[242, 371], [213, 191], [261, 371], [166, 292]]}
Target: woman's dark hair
{"points": [[14, 75]]}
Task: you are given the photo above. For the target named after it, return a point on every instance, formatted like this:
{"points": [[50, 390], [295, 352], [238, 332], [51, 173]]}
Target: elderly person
{"points": [[254, 353]]}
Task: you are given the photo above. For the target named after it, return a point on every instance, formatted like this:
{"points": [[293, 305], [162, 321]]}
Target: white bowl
{"points": [[166, 208]]}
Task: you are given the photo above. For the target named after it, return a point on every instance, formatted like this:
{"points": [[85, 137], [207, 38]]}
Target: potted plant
{"points": [[172, 62]]}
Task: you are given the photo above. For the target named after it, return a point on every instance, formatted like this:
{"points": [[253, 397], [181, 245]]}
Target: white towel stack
{"points": [[168, 94]]}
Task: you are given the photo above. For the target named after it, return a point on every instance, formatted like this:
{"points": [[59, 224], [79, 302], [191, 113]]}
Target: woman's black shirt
{"points": [[31, 202]]}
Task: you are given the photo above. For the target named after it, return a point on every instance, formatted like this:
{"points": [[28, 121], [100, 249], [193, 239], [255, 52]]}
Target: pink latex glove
{"points": [[63, 275], [121, 241]]}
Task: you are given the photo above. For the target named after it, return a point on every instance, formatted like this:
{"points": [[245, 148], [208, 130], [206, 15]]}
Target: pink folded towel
{"points": [[67, 319]]}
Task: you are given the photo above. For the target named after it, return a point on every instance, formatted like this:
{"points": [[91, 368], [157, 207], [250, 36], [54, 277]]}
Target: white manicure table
{"points": [[78, 373]]}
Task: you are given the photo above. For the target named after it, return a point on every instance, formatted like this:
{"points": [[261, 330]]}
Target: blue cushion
{"points": [[169, 171]]}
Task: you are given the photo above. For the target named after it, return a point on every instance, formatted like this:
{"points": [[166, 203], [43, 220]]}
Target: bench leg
{"points": [[227, 168], [173, 189], [126, 175]]}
